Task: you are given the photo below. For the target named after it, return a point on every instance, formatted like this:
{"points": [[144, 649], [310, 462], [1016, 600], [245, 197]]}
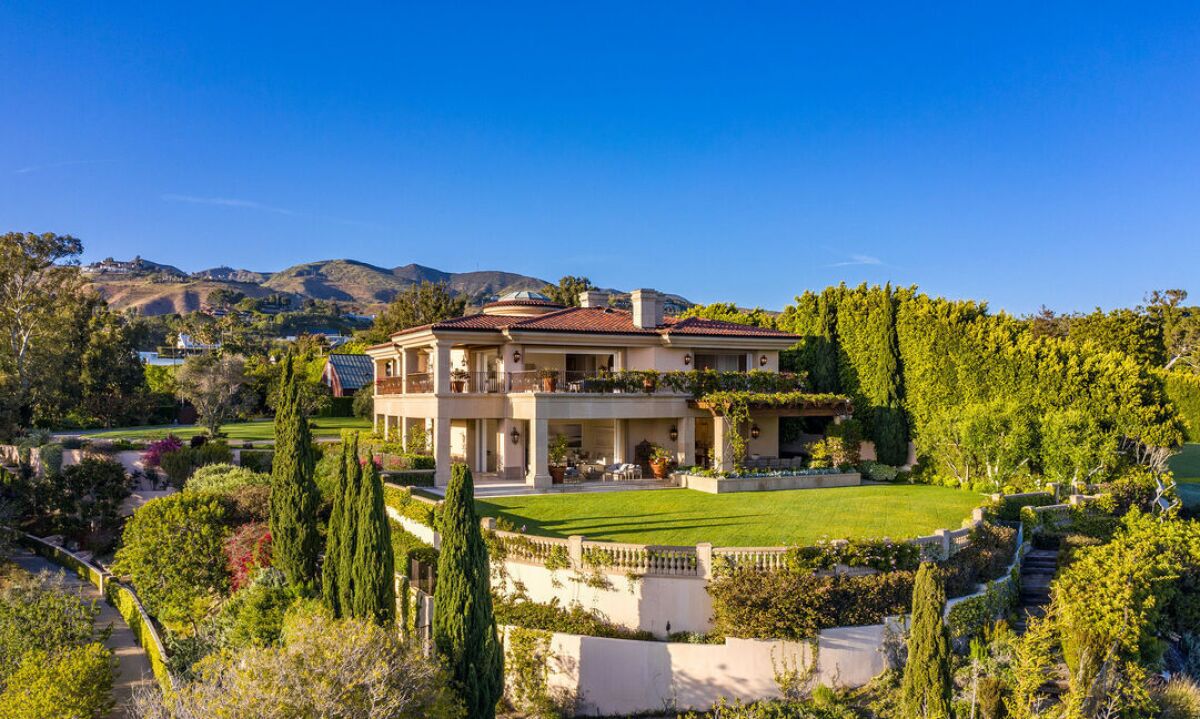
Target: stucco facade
{"points": [[493, 389]]}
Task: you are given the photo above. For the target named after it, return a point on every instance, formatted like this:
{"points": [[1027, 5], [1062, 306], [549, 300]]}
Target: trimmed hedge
{"points": [[1008, 509], [126, 602], [410, 478], [552, 617], [257, 460], [406, 547], [401, 500]]}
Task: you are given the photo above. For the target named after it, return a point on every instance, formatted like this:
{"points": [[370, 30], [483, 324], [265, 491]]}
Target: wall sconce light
{"points": [[516, 356], [687, 358], [674, 433], [762, 361], [516, 436], [754, 431]]}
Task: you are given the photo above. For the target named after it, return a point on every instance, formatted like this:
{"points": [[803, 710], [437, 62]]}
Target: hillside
{"points": [[158, 289]]}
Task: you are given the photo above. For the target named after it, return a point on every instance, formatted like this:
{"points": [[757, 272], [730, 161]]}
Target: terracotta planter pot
{"points": [[660, 468], [549, 384], [457, 385], [557, 473], [648, 386]]}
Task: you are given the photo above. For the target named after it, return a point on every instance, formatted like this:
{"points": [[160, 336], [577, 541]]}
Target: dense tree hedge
{"points": [[1184, 390]]}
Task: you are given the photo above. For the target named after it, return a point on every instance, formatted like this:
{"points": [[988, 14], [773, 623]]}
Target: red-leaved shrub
{"points": [[247, 550], [156, 449]]}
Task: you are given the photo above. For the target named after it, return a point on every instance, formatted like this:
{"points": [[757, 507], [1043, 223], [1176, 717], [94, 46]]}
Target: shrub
{"points": [[405, 547], [51, 458], [173, 552], [985, 559], [90, 493], [152, 456], [256, 612], [1008, 509], [177, 465], [247, 551], [1179, 699], [39, 613], [551, 616], [71, 683], [401, 500], [249, 503], [879, 472], [257, 460], [796, 605], [410, 479], [224, 478]]}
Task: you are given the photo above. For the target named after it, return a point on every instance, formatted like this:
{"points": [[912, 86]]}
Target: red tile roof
{"points": [[600, 320]]}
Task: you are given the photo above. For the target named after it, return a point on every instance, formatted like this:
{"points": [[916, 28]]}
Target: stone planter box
{"points": [[726, 485]]}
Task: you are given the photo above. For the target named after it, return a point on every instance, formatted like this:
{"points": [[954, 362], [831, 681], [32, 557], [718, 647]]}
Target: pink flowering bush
{"points": [[156, 449]]}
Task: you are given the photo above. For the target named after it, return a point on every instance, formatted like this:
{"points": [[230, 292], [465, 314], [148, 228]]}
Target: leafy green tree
{"points": [[111, 377], [173, 552], [889, 422], [1180, 328], [419, 304], [927, 684], [212, 383], [464, 628], [38, 612], [38, 283], [729, 312], [1077, 446], [71, 683], [90, 493], [294, 495], [568, 289], [374, 566], [814, 317]]}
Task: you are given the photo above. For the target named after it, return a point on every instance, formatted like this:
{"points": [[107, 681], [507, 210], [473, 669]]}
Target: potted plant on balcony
{"points": [[660, 461], [458, 379], [557, 450], [649, 381], [549, 379]]}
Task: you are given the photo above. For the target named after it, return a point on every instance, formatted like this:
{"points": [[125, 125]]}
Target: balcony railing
{"points": [[580, 382], [418, 383], [389, 385], [631, 382]]}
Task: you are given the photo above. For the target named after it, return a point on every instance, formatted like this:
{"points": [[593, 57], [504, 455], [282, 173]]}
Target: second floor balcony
{"points": [[627, 382]]}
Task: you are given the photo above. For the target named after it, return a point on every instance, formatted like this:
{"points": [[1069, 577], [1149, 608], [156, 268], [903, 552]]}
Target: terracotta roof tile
{"points": [[599, 320]]}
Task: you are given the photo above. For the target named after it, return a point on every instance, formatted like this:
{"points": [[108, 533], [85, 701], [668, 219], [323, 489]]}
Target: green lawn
{"points": [[255, 431], [750, 519], [1186, 467]]}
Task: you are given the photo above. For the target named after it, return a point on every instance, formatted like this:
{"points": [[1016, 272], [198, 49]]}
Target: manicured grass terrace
{"points": [[750, 519], [254, 431]]}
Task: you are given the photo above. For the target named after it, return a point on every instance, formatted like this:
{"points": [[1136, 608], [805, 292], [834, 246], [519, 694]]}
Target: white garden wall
{"points": [[619, 676]]}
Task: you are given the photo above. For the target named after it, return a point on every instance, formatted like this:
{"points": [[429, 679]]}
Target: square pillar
{"points": [[441, 451], [511, 460], [539, 455], [685, 450], [722, 451], [440, 365]]}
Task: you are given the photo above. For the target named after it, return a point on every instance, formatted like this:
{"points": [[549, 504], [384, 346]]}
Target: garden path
{"points": [[133, 666]]}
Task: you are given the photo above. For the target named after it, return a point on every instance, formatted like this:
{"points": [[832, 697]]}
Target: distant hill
{"points": [[161, 289], [155, 289]]}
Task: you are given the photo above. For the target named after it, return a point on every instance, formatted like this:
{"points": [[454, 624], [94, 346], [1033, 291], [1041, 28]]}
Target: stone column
{"points": [[704, 560], [539, 456], [403, 432], [722, 450], [619, 440], [685, 451], [441, 451]]}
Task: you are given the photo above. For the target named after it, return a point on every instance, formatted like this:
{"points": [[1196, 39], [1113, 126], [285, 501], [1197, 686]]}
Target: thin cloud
{"points": [[54, 165], [242, 204], [858, 260], [228, 202]]}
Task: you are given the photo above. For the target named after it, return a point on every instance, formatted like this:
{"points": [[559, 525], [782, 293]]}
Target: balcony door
{"points": [[722, 362]]}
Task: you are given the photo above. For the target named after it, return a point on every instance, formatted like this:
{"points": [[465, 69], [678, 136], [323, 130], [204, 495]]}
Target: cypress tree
{"points": [[348, 528], [331, 579], [374, 565], [925, 690], [294, 495], [464, 628], [890, 426]]}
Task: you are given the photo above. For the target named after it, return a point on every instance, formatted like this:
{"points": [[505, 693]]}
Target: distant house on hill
{"points": [[346, 374]]}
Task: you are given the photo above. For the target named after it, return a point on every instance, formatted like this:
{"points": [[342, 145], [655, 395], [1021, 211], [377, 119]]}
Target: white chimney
{"points": [[592, 298], [647, 309]]}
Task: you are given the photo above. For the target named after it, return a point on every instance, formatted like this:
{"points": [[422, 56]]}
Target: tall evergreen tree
{"points": [[348, 531], [926, 688], [464, 628], [294, 494], [331, 579], [374, 565], [890, 425]]}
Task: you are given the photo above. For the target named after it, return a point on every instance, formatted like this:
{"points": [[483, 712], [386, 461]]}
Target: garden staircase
{"points": [[1036, 573]]}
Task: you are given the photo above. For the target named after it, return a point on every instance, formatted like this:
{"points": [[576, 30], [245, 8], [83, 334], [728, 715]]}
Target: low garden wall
{"points": [[121, 597], [623, 676], [768, 483]]}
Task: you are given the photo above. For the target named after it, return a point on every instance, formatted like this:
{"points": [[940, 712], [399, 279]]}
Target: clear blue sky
{"points": [[1020, 153]]}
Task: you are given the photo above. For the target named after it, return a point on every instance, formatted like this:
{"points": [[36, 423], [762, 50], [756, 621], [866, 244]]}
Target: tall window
{"points": [[724, 362]]}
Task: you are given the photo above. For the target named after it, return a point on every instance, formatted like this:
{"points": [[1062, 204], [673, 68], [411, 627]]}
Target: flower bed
{"points": [[767, 480]]}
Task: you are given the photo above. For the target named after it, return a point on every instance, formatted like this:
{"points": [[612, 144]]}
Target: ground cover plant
{"points": [[793, 517]]}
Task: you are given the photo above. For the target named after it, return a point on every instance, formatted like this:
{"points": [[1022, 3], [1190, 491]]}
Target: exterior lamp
{"points": [[755, 431], [687, 358], [762, 361], [516, 355], [674, 433], [516, 436]]}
